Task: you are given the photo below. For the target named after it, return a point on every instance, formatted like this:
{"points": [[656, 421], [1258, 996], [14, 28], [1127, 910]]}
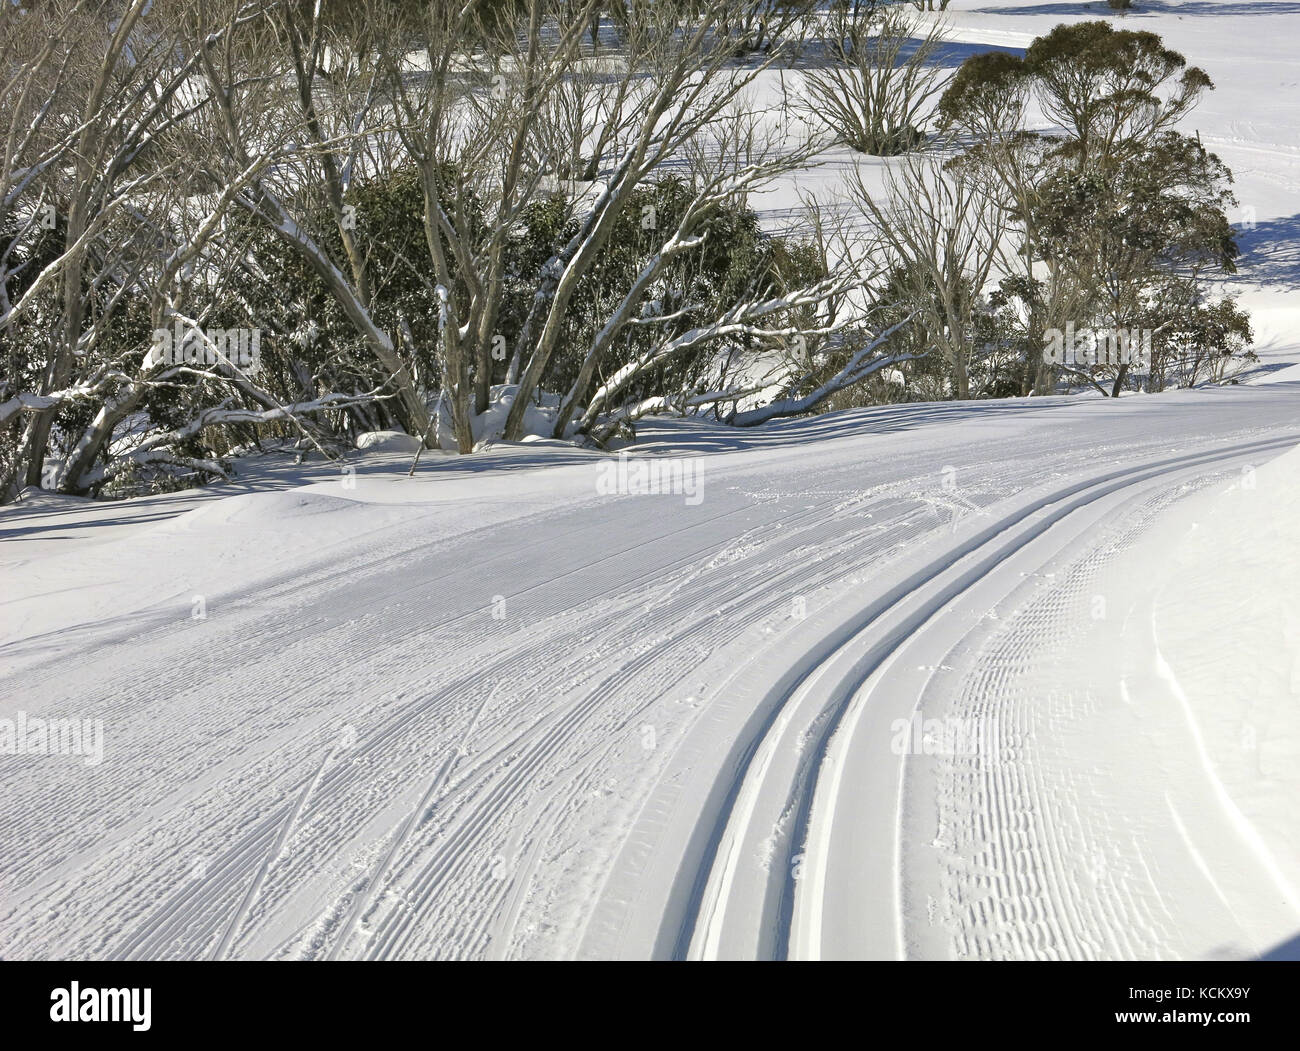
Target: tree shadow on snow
{"points": [[1270, 252], [1288, 950], [952, 53]]}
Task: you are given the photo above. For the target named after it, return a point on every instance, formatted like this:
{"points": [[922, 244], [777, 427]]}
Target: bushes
{"points": [[733, 260], [874, 92], [1118, 218]]}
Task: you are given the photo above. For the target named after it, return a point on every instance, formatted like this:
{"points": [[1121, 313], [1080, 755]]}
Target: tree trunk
{"points": [[1119, 381]]}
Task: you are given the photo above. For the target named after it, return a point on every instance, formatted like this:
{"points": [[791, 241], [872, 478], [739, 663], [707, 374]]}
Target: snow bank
{"points": [[539, 422], [539, 419], [1227, 626], [388, 441]]}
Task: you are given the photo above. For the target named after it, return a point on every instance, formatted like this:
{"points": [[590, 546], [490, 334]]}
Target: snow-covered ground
{"points": [[1011, 679], [491, 711]]}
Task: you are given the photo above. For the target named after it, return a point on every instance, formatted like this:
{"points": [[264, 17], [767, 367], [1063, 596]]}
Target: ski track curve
{"points": [[319, 769]]}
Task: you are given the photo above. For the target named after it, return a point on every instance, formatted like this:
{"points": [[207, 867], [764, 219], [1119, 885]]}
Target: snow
{"points": [[499, 630], [497, 710], [389, 441], [1229, 593]]}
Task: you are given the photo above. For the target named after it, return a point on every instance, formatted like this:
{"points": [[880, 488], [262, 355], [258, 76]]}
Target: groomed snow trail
{"points": [[565, 724], [827, 773]]}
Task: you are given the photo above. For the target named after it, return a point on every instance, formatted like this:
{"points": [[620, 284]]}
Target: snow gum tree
{"points": [[1115, 218]]}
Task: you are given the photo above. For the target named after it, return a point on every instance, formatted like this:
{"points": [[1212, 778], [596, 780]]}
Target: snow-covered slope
{"points": [[496, 712], [974, 680]]}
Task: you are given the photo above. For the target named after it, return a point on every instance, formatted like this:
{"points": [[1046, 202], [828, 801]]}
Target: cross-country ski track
{"points": [[423, 720]]}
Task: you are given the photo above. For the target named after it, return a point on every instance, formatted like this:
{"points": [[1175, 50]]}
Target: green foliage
{"points": [[1163, 201], [734, 260], [282, 293], [980, 83], [1122, 208], [136, 479], [25, 348]]}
